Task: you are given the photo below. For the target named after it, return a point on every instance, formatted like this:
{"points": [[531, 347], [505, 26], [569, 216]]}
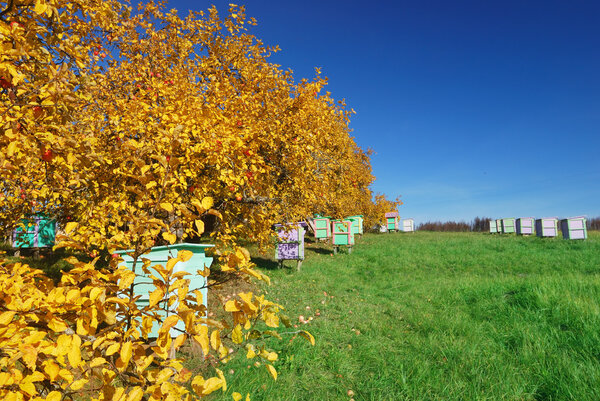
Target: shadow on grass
{"points": [[264, 263], [321, 251]]}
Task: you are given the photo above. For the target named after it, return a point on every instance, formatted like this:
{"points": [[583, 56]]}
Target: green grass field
{"points": [[437, 316]]}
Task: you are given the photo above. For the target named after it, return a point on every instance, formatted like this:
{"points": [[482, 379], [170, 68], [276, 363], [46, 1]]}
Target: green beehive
{"points": [[391, 221], [341, 234], [159, 255], [508, 225], [357, 224], [36, 232], [322, 228]]}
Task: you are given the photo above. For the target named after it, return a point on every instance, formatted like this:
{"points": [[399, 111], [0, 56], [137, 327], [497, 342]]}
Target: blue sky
{"points": [[473, 108]]}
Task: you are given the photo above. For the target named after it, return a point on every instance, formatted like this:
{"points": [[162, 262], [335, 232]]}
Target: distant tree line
{"points": [[480, 224]]}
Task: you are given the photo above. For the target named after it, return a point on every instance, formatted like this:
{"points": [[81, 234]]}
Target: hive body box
{"points": [[508, 225], [408, 225], [574, 228], [546, 227], [525, 226], [391, 221], [322, 228], [357, 224], [159, 256], [493, 227], [290, 242], [499, 225], [39, 232], [341, 234]]}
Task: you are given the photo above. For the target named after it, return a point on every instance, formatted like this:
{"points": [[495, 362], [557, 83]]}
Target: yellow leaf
{"points": [[202, 339], [179, 341], [136, 394], [169, 237], [272, 371], [70, 226], [97, 362], [12, 147], [236, 396], [40, 7], [251, 353], [51, 369], [74, 354], [28, 387], [155, 297], [54, 396], [126, 349], [166, 206], [6, 317], [236, 335], [207, 202], [199, 226], [230, 306], [271, 319], [211, 385], [112, 349], [127, 278], [169, 322], [78, 384], [184, 255], [215, 340], [308, 336]]}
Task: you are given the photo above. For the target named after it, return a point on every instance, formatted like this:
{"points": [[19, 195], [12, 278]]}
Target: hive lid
{"points": [[174, 247]]}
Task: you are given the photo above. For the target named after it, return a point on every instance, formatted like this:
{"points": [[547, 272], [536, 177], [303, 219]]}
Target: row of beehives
{"points": [[290, 241], [392, 223], [571, 228], [290, 237]]}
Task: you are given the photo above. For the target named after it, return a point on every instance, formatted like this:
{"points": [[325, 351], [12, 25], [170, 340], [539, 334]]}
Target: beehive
{"points": [[37, 232], [493, 227], [525, 226], [159, 255], [574, 228], [546, 227], [290, 242], [508, 225], [391, 221]]}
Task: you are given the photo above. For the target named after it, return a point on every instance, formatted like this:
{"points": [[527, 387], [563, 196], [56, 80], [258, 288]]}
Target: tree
{"points": [[129, 127]]}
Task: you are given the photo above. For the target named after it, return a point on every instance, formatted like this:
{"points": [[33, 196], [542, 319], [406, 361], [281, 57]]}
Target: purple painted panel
{"points": [[548, 224], [288, 251], [391, 214], [291, 235]]}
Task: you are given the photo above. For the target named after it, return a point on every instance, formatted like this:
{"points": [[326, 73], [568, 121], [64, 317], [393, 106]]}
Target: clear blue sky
{"points": [[474, 108]]}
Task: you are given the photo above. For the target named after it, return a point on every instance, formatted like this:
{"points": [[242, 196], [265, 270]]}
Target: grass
{"points": [[437, 316]]}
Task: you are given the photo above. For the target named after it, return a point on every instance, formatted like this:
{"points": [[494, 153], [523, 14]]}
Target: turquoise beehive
{"points": [[159, 255]]}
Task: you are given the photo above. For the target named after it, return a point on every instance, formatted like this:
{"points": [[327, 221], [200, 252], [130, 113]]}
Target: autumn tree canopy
{"points": [[130, 127]]}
